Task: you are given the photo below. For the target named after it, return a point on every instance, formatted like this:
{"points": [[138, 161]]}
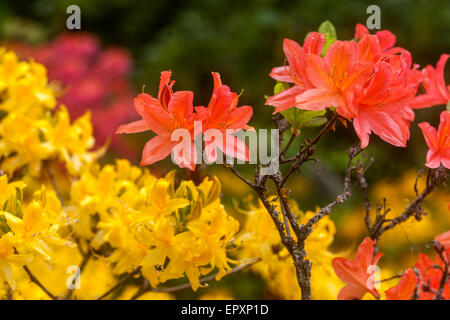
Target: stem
{"points": [[120, 283], [40, 285], [184, 286]]}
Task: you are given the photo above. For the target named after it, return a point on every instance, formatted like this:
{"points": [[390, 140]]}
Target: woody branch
{"points": [[296, 245]]}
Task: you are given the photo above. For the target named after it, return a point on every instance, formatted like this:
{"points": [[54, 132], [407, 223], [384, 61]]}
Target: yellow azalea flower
{"points": [[159, 202], [35, 233], [21, 144], [72, 141], [8, 190], [24, 86], [8, 258]]}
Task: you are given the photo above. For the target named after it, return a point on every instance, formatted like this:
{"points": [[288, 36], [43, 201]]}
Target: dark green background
{"points": [[243, 40]]}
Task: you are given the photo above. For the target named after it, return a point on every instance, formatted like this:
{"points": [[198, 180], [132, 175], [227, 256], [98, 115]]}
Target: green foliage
{"points": [[327, 29]]}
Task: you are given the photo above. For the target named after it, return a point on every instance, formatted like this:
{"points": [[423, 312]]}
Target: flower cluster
{"points": [[367, 80], [31, 131], [261, 239], [168, 232], [28, 231], [172, 111]]}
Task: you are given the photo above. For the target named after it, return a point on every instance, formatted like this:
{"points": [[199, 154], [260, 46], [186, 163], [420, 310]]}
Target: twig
{"points": [[415, 295], [286, 148], [306, 151], [441, 250], [120, 283], [348, 188], [184, 286], [40, 285], [237, 174], [435, 177], [392, 278]]}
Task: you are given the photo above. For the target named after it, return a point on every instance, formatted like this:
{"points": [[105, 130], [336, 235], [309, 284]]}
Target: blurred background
{"points": [[124, 45]]}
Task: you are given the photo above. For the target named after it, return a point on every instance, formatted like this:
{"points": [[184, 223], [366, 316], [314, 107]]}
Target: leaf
{"points": [[298, 118], [315, 122], [327, 29], [280, 86]]}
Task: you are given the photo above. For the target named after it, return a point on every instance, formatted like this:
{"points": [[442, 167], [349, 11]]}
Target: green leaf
{"points": [[327, 29], [316, 122], [298, 118], [280, 86]]}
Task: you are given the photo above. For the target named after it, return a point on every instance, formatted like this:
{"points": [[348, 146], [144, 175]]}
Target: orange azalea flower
{"points": [[223, 115], [430, 281], [438, 142], [171, 111], [383, 107], [357, 273], [436, 92], [404, 290], [444, 239], [370, 82], [295, 71], [322, 82], [385, 37]]}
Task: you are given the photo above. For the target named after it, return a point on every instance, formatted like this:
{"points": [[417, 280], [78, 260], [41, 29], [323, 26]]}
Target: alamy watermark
{"points": [[73, 22], [374, 20]]}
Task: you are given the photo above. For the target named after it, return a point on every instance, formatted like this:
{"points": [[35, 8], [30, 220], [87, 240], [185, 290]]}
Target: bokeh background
{"points": [[124, 45]]}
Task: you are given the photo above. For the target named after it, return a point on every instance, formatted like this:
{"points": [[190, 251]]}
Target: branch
{"points": [[40, 285], [435, 177], [341, 198], [120, 283], [184, 286], [306, 152], [441, 250]]}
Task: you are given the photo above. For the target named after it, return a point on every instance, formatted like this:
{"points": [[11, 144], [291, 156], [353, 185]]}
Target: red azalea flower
{"points": [[430, 281], [382, 106], [385, 37], [404, 290], [295, 71], [444, 239], [438, 141], [370, 82], [171, 111], [223, 115], [436, 92], [357, 273]]}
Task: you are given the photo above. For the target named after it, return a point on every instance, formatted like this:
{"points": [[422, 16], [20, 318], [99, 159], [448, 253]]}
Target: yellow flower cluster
{"points": [[168, 231], [27, 232], [31, 131], [260, 238], [104, 221]]}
